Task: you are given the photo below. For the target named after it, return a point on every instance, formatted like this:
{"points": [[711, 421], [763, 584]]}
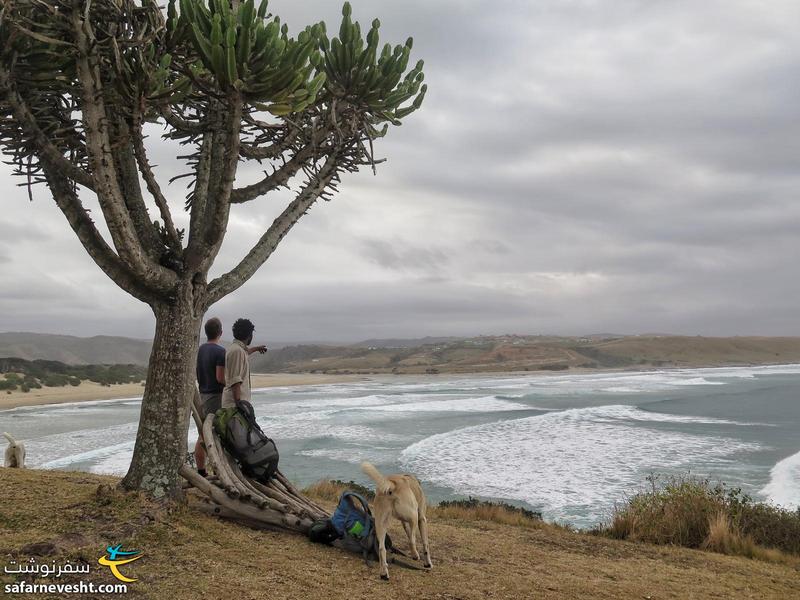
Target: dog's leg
{"points": [[423, 532], [380, 532], [411, 540]]}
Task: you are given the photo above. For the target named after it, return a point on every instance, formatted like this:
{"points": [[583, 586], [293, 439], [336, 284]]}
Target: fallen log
{"points": [[230, 494]]}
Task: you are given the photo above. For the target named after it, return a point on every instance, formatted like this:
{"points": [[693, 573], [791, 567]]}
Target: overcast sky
{"points": [[578, 166]]}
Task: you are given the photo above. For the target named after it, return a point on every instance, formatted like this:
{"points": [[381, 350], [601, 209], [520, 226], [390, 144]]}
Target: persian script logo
{"points": [[112, 561]]}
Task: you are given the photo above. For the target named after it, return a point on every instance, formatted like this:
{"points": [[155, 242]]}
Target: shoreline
{"points": [[89, 391]]}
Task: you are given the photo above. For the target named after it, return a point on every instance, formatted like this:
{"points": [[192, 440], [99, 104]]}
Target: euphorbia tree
{"points": [[79, 79]]}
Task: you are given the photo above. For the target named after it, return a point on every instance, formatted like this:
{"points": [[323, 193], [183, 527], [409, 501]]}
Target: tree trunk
{"points": [[160, 447]]}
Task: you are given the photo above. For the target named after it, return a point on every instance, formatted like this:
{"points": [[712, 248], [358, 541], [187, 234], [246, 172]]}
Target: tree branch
{"points": [[126, 168], [200, 192], [275, 180], [42, 142], [203, 248], [179, 123], [224, 285], [101, 162], [152, 185], [102, 254]]}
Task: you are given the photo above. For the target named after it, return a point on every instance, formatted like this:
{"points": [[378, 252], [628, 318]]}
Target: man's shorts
{"points": [[209, 404]]}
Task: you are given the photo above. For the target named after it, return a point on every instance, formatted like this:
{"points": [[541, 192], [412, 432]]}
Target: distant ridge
{"points": [[405, 343], [485, 353], [73, 350]]}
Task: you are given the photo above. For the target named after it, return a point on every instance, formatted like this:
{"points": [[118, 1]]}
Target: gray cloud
{"points": [[398, 256], [577, 166]]}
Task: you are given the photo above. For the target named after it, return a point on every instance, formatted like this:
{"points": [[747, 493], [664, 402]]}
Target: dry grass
{"points": [[725, 538], [480, 510], [188, 555], [690, 512]]}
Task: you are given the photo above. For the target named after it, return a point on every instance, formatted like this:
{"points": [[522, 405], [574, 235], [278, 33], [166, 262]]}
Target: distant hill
{"points": [[443, 354], [532, 353], [72, 350], [405, 343]]}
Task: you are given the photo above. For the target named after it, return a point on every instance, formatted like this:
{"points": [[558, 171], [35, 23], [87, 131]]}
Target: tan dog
{"points": [[401, 497], [15, 453]]}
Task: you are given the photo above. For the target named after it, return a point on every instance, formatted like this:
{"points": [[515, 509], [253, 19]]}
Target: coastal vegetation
{"points": [[695, 513], [25, 375]]}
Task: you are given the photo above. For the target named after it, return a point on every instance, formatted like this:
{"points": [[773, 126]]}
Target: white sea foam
{"points": [[298, 427], [83, 406], [635, 414], [784, 483], [573, 463], [122, 451], [351, 455], [61, 450], [617, 383], [431, 404]]}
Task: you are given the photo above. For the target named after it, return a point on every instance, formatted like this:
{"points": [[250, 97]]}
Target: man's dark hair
{"points": [[213, 328], [242, 329]]}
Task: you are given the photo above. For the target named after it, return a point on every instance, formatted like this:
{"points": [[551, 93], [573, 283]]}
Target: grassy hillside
{"points": [[688, 351], [533, 353], [71, 516]]}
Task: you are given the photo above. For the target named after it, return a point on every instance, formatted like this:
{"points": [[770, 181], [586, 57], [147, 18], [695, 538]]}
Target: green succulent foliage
{"points": [[377, 80], [248, 51]]}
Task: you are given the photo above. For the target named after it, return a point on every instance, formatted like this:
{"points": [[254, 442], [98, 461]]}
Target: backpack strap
{"points": [[361, 500]]}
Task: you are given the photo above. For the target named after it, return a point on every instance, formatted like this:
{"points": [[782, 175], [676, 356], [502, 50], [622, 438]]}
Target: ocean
{"points": [[568, 445]]}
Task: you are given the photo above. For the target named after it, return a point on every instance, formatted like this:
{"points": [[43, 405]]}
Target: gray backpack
{"points": [[246, 442]]}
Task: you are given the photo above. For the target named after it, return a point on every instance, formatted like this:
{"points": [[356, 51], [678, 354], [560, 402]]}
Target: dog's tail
{"points": [[11, 440], [382, 485]]}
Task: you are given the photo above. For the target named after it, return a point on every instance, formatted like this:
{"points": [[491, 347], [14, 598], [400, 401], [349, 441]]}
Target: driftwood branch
{"points": [[231, 494]]}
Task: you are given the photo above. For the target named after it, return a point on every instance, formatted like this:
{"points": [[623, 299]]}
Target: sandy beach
{"points": [[88, 391]]}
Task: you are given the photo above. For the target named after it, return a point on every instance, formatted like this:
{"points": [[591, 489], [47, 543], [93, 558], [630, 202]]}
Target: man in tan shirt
{"points": [[237, 363]]}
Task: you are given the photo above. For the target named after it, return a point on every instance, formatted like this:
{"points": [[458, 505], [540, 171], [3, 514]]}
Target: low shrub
{"points": [[331, 489], [484, 510], [55, 380], [693, 512]]}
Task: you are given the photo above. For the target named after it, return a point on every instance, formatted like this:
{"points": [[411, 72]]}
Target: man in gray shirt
{"points": [[237, 363]]}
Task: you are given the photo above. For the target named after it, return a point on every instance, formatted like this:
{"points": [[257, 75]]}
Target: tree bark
{"points": [[161, 442]]}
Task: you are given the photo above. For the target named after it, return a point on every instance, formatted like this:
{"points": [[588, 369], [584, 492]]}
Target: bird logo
{"points": [[112, 561]]}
